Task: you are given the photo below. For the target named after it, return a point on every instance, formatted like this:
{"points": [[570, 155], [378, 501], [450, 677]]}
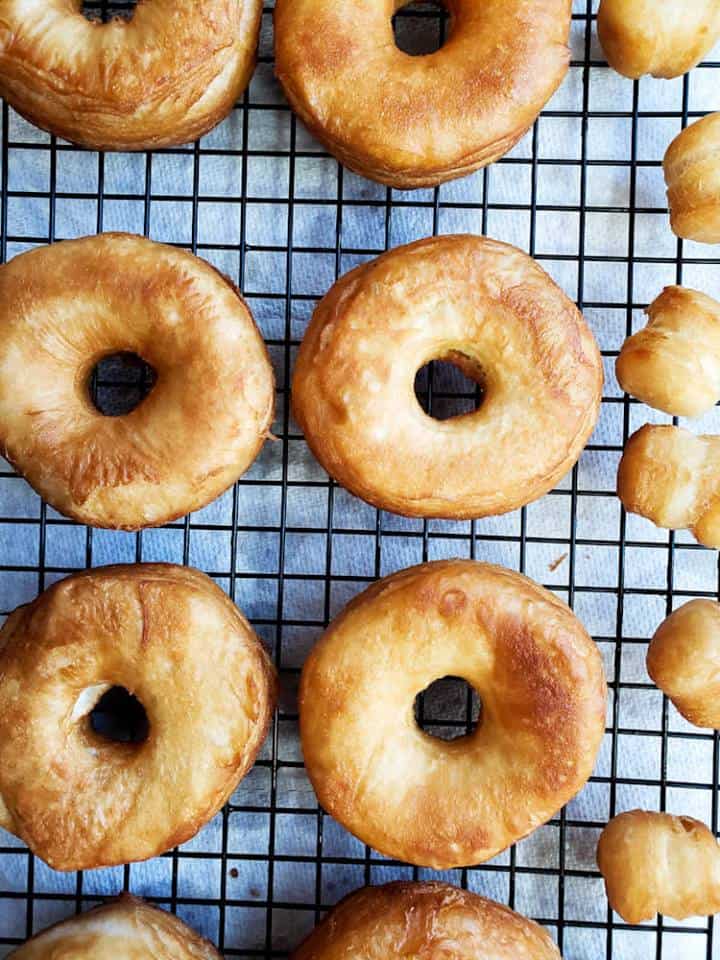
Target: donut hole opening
{"points": [[102, 11], [421, 27], [119, 383], [451, 386], [119, 717], [448, 709]]}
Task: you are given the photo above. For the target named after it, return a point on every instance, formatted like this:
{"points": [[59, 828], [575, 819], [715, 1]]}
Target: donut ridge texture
{"points": [[65, 307], [169, 636], [418, 121], [164, 78], [492, 311], [437, 803]]}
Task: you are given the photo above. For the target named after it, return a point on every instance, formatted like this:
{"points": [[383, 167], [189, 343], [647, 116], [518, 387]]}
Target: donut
{"points": [[662, 39], [683, 659], [424, 920], [170, 637], [418, 121], [437, 803], [658, 863], [671, 477], [692, 175], [673, 364], [492, 311], [163, 78], [65, 307], [126, 928]]}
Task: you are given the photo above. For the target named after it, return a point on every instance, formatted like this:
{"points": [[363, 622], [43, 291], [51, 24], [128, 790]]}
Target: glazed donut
{"points": [[657, 863], [424, 920], [165, 77], [672, 477], [446, 804], [665, 39], [492, 311], [673, 364], [692, 175], [683, 659], [65, 307], [173, 639], [126, 929], [418, 121]]}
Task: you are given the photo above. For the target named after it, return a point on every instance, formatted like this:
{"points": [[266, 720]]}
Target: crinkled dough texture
{"points": [[65, 307], [665, 39], [123, 929], [172, 638], [417, 121], [163, 78], [672, 477], [692, 176], [438, 803], [659, 863], [425, 921], [493, 311]]}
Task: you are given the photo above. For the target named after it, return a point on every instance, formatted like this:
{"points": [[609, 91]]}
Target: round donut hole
{"points": [[421, 28], [448, 709], [444, 390], [105, 10], [119, 383], [119, 717]]}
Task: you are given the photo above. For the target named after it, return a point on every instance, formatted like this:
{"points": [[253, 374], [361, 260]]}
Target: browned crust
{"points": [[418, 121], [424, 921], [446, 805], [352, 384], [171, 636], [163, 79]]}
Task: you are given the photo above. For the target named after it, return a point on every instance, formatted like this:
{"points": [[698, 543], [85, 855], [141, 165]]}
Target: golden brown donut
{"points": [[672, 477], [657, 863], [665, 38], [174, 640], [673, 364], [684, 661], [437, 803], [418, 121], [163, 78], [123, 929], [424, 921], [491, 310], [65, 307], [692, 175]]}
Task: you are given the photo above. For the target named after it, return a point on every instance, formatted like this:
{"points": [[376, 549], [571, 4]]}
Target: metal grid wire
{"points": [[257, 197]]}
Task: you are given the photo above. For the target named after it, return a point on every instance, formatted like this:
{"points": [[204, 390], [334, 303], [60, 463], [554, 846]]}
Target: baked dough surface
{"points": [[171, 637], [437, 803], [65, 307], [417, 121], [164, 78], [493, 311]]}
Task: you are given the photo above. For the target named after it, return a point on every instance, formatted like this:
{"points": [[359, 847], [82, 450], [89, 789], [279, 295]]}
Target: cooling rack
{"points": [[258, 197]]}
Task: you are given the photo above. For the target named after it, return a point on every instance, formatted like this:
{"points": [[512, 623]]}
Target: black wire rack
{"points": [[262, 201]]}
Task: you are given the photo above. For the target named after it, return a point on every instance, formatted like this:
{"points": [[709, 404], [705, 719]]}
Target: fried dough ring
{"points": [[171, 637], [165, 77], [446, 804]]}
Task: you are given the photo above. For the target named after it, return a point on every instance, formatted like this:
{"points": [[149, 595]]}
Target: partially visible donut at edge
{"points": [[169, 636], [494, 312], [163, 78], [65, 307], [418, 121], [424, 920]]}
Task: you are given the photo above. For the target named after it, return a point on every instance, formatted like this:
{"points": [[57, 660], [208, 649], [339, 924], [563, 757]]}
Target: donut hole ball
{"points": [[421, 29], [119, 383], [118, 717], [453, 385], [447, 709]]}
